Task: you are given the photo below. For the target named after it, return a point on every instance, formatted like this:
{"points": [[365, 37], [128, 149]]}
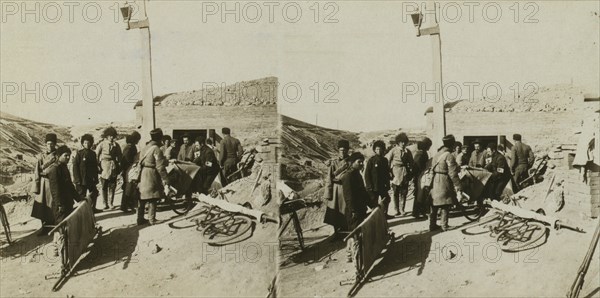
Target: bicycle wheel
{"points": [[180, 205], [522, 237], [482, 226], [472, 210], [5, 224], [223, 231]]}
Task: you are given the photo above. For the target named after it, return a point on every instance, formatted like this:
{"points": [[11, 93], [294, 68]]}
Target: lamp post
{"points": [[432, 28], [148, 118]]}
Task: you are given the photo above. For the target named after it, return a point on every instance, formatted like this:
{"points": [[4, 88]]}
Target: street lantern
{"points": [[417, 19], [126, 12]]}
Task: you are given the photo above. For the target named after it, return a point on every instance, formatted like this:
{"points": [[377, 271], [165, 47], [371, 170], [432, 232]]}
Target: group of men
{"points": [[348, 197], [57, 192]]}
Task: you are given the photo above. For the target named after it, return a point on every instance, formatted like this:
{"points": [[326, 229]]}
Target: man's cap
{"points": [[401, 137], [226, 130], [380, 144], [87, 137], [156, 135], [343, 144], [355, 156], [63, 149], [51, 137], [492, 146], [516, 137], [448, 141], [109, 131]]}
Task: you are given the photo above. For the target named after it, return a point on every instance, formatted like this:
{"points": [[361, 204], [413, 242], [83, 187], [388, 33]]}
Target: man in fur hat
{"points": [[335, 214], [401, 163], [377, 176], [109, 156], [153, 178], [42, 206], [85, 170], [446, 184]]}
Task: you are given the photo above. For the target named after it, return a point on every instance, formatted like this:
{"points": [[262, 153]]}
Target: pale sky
{"points": [[366, 56]]}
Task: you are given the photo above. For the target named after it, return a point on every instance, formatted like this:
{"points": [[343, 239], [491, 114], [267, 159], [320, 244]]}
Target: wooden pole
{"points": [[148, 116]]}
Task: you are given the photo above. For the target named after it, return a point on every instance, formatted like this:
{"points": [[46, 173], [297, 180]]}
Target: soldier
{"points": [[230, 152], [63, 191], [335, 214], [356, 200], [477, 159], [129, 195], [377, 177], [109, 156], [401, 162], [207, 161], [446, 184], [153, 178], [42, 206], [420, 205], [522, 159], [186, 151], [85, 170], [497, 165]]}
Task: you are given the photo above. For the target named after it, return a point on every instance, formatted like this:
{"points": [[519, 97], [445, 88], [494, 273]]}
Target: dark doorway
{"points": [[193, 133], [485, 140]]}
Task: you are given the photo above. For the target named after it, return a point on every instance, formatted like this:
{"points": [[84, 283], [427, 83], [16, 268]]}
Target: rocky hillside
{"points": [[21, 140], [307, 147], [246, 93]]}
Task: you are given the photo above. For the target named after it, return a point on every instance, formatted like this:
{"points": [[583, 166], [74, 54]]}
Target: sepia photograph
{"points": [[459, 157], [139, 152], [189, 148]]}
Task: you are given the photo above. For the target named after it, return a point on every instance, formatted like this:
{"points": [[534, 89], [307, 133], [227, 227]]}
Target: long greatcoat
{"points": [[445, 180], [63, 191], [154, 172], [42, 206], [335, 214]]}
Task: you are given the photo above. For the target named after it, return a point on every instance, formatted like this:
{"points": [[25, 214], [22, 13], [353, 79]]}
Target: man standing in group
{"points": [[207, 161], [401, 162], [230, 152], [166, 147], [129, 196], [477, 159], [153, 178], [335, 214], [497, 165], [85, 170], [522, 159], [421, 203], [42, 206], [186, 151], [109, 156], [63, 192], [462, 158], [446, 184], [377, 177]]}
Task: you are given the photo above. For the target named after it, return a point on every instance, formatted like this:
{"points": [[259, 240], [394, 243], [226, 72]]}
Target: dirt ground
{"points": [[441, 264], [124, 261]]}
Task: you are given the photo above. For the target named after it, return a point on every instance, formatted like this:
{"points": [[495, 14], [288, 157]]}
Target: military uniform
{"points": [[377, 179], [336, 212], [85, 174], [498, 166], [445, 185], [401, 162], [42, 206], [230, 151], [209, 167], [420, 204], [130, 193], [522, 159], [109, 156]]}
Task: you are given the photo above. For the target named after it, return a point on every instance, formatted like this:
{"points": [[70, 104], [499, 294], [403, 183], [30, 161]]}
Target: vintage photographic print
{"points": [[139, 152], [454, 153], [299, 148]]}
